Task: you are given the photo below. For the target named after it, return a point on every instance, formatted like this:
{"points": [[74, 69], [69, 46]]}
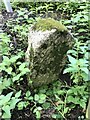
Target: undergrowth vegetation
{"points": [[62, 99]]}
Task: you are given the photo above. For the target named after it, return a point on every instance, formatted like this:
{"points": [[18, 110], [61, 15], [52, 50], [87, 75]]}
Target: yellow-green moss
{"points": [[48, 24]]}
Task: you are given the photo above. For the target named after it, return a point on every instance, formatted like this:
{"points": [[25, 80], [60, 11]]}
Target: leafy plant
{"points": [[59, 98], [78, 58], [7, 103], [4, 49]]}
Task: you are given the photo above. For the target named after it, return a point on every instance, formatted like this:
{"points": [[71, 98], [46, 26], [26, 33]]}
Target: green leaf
{"points": [[28, 93], [21, 105], [13, 102], [24, 71], [6, 59], [72, 60], [17, 77], [54, 116], [36, 97], [9, 70], [85, 76], [67, 70], [70, 99], [22, 66], [18, 94], [13, 59], [72, 51], [66, 110], [42, 96], [86, 17], [81, 30], [39, 108], [82, 103], [38, 114], [76, 19], [6, 99], [6, 110], [6, 83], [84, 69], [59, 107], [46, 105], [1, 97]]}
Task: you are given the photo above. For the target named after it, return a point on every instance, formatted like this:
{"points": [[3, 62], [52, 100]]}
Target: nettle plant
{"points": [[12, 71], [78, 62], [8, 103]]}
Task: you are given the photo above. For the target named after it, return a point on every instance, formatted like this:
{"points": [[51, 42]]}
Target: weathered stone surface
{"points": [[46, 52]]}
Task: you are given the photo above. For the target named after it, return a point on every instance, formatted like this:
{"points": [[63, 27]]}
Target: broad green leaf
{"points": [[14, 59], [72, 60], [18, 94], [13, 103], [6, 110], [67, 70], [76, 19], [6, 99], [34, 111], [6, 60], [86, 17], [54, 116], [28, 93], [59, 107], [1, 97], [42, 96], [21, 105], [66, 110], [38, 114], [22, 66], [17, 77], [85, 76], [36, 97], [9, 70], [81, 30], [6, 83], [39, 108], [70, 99], [84, 69], [72, 51], [46, 105], [82, 103], [24, 71]]}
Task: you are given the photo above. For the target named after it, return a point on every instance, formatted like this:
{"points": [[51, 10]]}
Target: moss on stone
{"points": [[48, 24]]}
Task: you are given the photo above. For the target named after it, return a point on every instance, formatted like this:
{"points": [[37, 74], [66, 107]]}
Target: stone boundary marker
{"points": [[48, 43]]}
